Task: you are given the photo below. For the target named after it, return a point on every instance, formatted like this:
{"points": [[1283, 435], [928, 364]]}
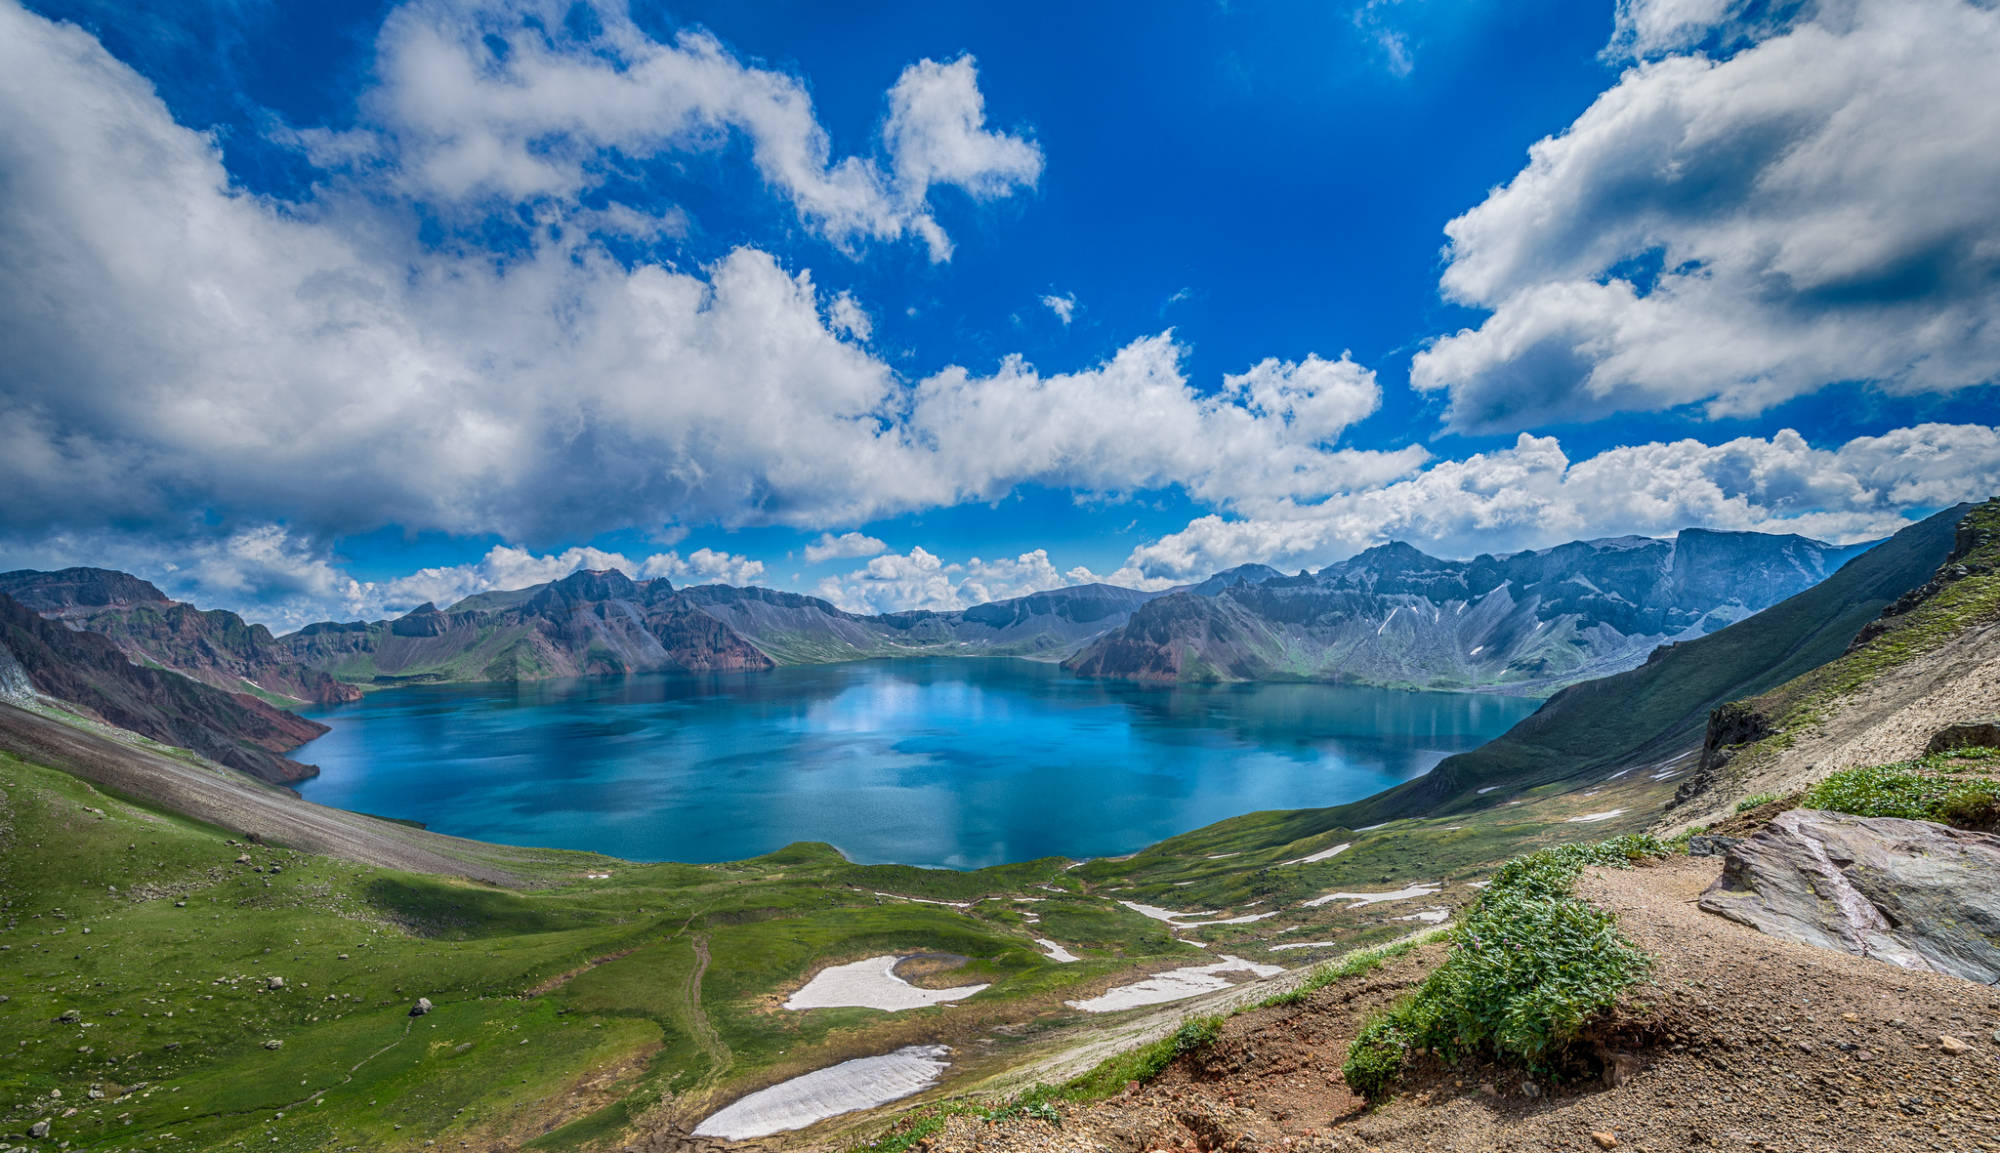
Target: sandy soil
{"points": [[1742, 1042]]}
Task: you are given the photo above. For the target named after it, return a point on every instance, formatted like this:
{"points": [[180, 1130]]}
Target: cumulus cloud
{"points": [[922, 580], [481, 101], [1532, 495], [177, 343], [846, 546], [1063, 306], [1135, 423], [1733, 231]]}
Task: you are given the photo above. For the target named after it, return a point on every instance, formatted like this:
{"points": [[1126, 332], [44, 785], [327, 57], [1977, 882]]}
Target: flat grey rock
{"points": [[1914, 894]]}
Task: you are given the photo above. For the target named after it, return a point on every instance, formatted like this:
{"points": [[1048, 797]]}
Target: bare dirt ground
{"points": [[219, 796], [1892, 719], [1742, 1042]]}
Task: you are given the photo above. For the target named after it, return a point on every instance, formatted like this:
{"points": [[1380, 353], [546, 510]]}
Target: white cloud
{"points": [[1063, 306], [1532, 496], [702, 566], [846, 317], [1734, 232], [922, 580], [847, 545], [1134, 423], [176, 343], [518, 100]]}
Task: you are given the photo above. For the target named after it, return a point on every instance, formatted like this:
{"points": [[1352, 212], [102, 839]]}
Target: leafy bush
{"points": [[1755, 801], [1376, 1058], [1531, 967], [1930, 789]]}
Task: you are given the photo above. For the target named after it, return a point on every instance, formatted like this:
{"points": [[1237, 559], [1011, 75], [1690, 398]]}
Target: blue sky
{"points": [[325, 310]]}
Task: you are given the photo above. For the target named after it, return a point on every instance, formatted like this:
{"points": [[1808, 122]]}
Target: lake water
{"points": [[958, 763]]}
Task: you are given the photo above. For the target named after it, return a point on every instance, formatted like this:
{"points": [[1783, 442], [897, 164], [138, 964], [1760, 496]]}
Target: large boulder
{"points": [[1911, 893], [1980, 734]]}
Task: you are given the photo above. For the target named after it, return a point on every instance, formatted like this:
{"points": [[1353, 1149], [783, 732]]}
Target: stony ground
{"points": [[1741, 1043]]}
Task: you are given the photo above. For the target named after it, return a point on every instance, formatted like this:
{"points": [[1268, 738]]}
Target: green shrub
{"points": [[1376, 1058], [1901, 790], [1755, 801], [1531, 966]]}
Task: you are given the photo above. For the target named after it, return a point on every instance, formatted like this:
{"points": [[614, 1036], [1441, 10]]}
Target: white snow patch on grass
{"points": [[1057, 952], [1363, 900], [862, 1083], [1487, 789], [1428, 916], [1167, 915], [1174, 985], [1589, 818], [1322, 855], [1304, 945], [928, 901], [871, 984]]}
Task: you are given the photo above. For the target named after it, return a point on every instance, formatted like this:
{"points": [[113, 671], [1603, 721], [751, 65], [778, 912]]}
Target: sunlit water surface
{"points": [[959, 763]]}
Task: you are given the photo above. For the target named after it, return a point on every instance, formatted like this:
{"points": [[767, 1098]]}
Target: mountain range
{"points": [[1527, 622], [1532, 622]]}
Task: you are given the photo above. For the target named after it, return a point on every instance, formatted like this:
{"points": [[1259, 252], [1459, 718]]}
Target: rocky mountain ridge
{"points": [[91, 674], [1527, 622]]}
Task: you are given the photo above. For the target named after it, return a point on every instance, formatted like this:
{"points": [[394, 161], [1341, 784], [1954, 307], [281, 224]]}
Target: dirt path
{"points": [[1757, 1044], [720, 1059]]}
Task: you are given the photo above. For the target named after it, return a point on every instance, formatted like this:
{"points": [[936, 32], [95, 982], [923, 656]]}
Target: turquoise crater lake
{"points": [[942, 762]]}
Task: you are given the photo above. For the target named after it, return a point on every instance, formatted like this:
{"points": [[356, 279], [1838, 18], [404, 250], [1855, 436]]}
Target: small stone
{"points": [[55, 1094], [1952, 1045], [244, 859], [1605, 1138], [1530, 1089], [274, 982], [1850, 1018], [274, 1044], [422, 1006], [38, 1130], [70, 1016]]}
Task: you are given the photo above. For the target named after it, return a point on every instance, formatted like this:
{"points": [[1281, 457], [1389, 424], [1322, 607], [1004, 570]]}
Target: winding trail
{"points": [[720, 1059]]}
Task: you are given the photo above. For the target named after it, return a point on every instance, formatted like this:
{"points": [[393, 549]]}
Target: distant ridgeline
{"points": [[1655, 718], [1530, 622]]}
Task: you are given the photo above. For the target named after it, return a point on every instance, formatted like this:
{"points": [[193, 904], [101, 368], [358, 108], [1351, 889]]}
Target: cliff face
{"points": [[213, 646], [1530, 622], [92, 674]]}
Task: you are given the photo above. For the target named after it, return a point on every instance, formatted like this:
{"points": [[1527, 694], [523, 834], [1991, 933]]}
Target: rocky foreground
{"points": [[1742, 1041]]}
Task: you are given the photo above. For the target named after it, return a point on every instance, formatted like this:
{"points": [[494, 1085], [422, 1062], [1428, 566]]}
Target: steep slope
{"points": [[213, 646], [1930, 659], [1528, 622], [587, 624], [797, 629], [89, 673]]}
